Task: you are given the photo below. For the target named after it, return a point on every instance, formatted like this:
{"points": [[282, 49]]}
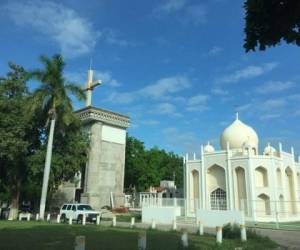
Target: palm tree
{"points": [[52, 96]]}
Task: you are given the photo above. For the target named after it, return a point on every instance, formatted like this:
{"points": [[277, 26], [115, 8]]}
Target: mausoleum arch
{"points": [[240, 191], [298, 180], [215, 178], [195, 189], [261, 177], [263, 205], [215, 165], [291, 190]]}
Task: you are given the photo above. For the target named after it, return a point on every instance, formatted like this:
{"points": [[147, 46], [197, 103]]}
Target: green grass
{"points": [[40, 235], [127, 217]]}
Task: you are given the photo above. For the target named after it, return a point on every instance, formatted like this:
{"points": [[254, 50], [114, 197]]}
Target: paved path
{"points": [[290, 239]]}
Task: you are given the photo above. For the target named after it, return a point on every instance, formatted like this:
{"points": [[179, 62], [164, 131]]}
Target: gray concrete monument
{"points": [[104, 172], [102, 178]]}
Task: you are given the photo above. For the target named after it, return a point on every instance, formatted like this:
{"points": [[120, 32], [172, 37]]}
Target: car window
{"points": [[74, 208], [84, 207], [64, 207], [69, 207]]}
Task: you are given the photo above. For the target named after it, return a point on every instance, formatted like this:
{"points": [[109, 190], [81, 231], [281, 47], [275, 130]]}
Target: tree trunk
{"points": [[47, 170], [14, 206]]}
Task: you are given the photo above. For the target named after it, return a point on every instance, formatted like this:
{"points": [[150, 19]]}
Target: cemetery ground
{"points": [[35, 235]]}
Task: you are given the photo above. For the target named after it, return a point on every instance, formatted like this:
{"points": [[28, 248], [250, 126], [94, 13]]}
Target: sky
{"points": [[177, 68]]}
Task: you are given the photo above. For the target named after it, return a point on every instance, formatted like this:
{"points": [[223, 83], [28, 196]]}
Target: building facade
{"points": [[266, 186]]}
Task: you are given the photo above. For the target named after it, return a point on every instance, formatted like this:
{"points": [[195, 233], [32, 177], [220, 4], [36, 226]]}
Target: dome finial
{"points": [[237, 115]]}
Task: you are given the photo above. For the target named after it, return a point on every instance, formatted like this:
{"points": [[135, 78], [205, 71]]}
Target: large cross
{"points": [[90, 85]]}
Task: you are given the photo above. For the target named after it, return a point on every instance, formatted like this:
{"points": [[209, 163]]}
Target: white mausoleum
{"points": [[265, 186]]}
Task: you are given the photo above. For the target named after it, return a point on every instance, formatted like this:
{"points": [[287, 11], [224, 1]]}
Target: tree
{"points": [[268, 22], [16, 133], [145, 168], [52, 95]]}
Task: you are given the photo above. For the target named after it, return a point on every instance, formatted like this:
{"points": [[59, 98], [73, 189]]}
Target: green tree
{"points": [[52, 96], [16, 132], [145, 168], [268, 22]]}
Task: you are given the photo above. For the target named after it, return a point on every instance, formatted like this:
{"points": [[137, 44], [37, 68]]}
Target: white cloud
{"points": [[161, 89], [248, 72], [244, 107], [196, 14], [169, 6], [269, 116], [111, 37], [197, 103], [219, 91], [74, 34], [274, 87], [165, 86], [167, 109], [186, 13], [150, 122], [197, 99], [214, 51], [187, 141], [106, 78], [121, 97], [272, 104]]}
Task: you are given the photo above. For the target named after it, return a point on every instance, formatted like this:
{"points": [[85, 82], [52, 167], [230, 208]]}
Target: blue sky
{"points": [[176, 67]]}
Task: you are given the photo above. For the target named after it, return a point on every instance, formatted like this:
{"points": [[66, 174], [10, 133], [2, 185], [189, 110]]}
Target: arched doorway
{"points": [[263, 205], [261, 177], [291, 190], [216, 186], [240, 192]]}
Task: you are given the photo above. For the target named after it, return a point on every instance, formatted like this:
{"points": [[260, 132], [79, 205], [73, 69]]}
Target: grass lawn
{"points": [[40, 235]]}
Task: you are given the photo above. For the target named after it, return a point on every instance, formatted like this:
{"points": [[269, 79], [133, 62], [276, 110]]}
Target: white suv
{"points": [[76, 212]]}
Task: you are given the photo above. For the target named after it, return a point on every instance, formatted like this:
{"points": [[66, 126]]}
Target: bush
{"points": [[231, 231]]}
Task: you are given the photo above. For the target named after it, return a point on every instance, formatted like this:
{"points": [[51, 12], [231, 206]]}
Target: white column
{"points": [[203, 179], [273, 185], [229, 185], [295, 187], [283, 180], [251, 175], [188, 187], [219, 235]]}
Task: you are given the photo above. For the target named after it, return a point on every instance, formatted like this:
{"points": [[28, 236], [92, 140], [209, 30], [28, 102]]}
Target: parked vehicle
{"points": [[76, 212]]}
